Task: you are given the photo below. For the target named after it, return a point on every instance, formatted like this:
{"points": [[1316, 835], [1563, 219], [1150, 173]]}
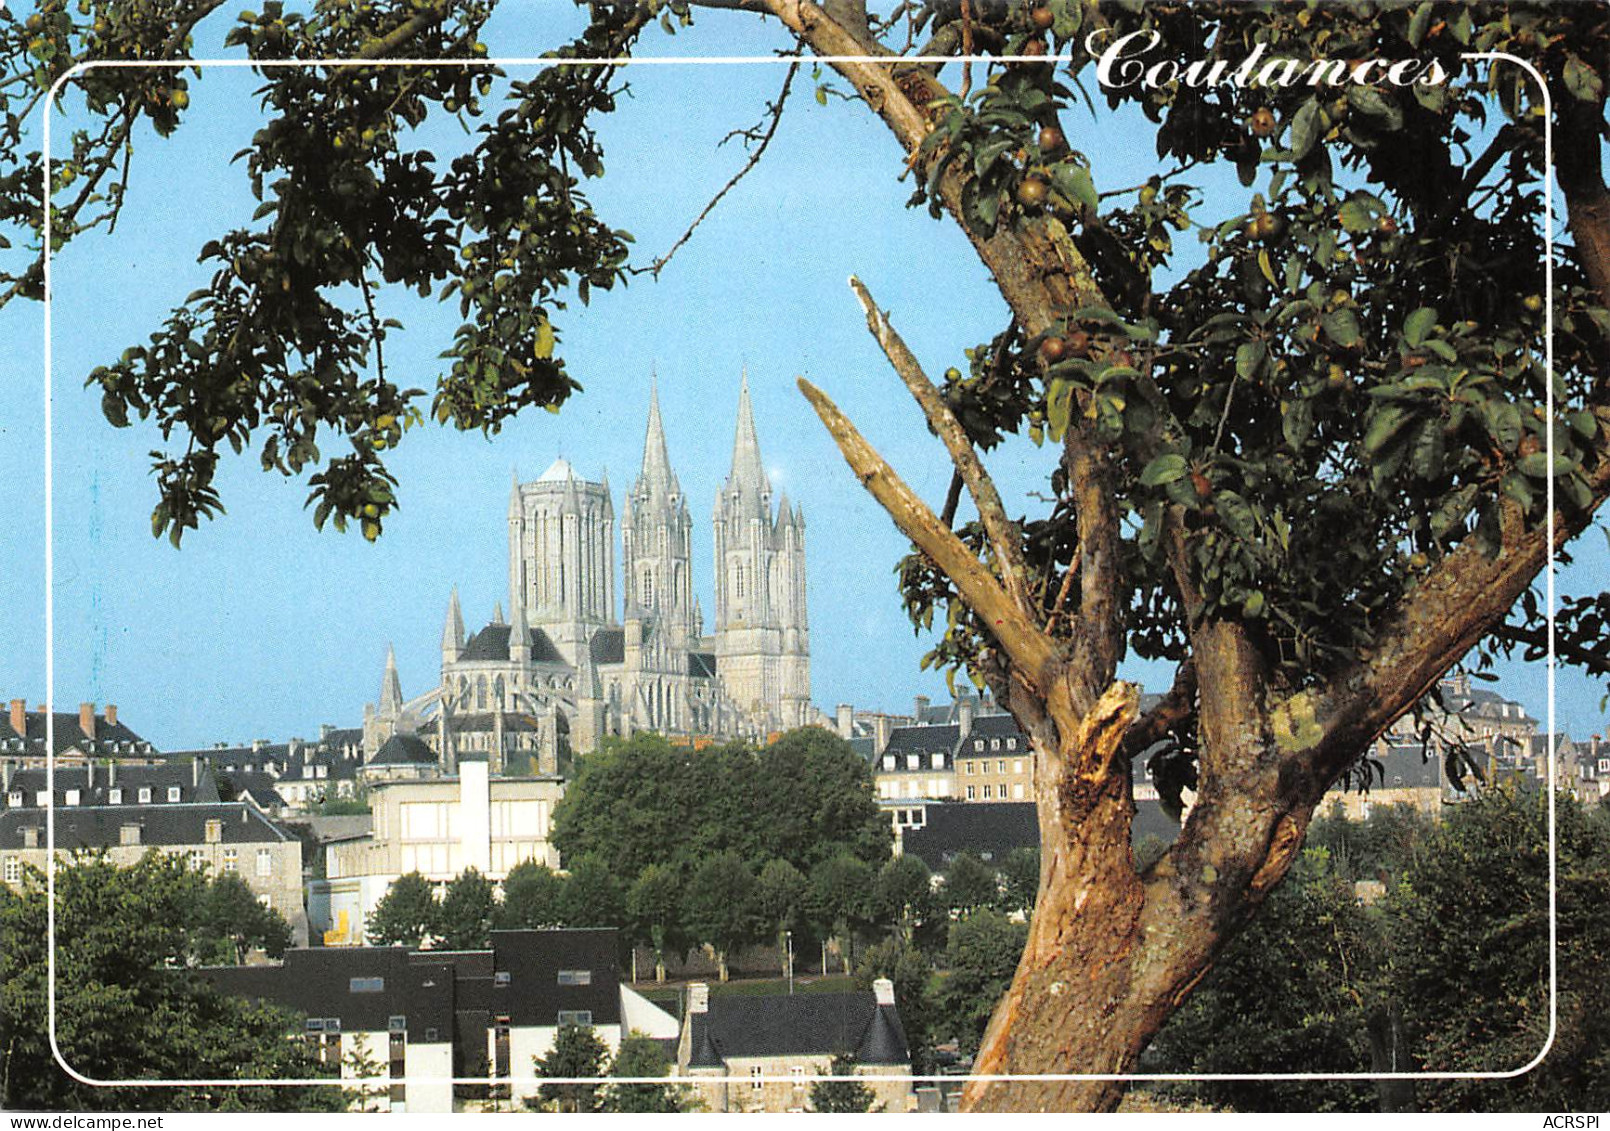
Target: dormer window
{"points": [[42, 798], [173, 793], [145, 795], [14, 799], [72, 797], [114, 796], [888, 761]]}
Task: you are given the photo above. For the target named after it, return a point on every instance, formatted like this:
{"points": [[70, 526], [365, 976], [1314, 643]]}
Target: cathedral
{"points": [[562, 670]]}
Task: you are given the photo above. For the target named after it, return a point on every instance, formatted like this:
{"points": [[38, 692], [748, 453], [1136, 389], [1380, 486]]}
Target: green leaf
{"points": [[1165, 469], [1419, 22], [1425, 458], [1582, 80], [1419, 324], [1384, 426], [1356, 213], [1249, 358], [1237, 515], [1073, 181], [1252, 607], [1305, 129], [1503, 423], [1341, 327]]}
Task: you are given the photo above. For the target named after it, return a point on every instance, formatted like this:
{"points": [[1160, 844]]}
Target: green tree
{"points": [[407, 915], [718, 906], [1294, 993], [780, 901], [981, 959], [642, 801], [1468, 932], [970, 884], [593, 895], [642, 1056], [843, 1097], [127, 1006], [533, 898], [229, 923], [360, 1062], [1307, 462], [839, 903], [654, 905], [577, 1052], [465, 914], [904, 900], [1020, 879]]}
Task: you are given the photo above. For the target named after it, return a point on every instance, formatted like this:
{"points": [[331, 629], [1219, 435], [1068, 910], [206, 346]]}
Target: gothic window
{"points": [[738, 582], [480, 693], [646, 599], [498, 694]]}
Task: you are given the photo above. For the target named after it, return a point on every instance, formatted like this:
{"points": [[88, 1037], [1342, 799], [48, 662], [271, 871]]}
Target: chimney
{"points": [[111, 714], [30, 836], [325, 730], [86, 719], [883, 991], [699, 997], [19, 717], [257, 745], [881, 731], [195, 774], [846, 721], [964, 715], [919, 705]]}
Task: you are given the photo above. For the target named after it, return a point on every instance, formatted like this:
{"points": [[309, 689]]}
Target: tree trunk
{"points": [[1111, 952]]}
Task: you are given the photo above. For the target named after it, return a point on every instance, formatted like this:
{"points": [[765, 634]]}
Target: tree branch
{"points": [[1002, 532], [1030, 650], [775, 110]]}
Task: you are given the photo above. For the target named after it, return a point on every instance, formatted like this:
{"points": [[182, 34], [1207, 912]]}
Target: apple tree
{"points": [[1297, 434]]}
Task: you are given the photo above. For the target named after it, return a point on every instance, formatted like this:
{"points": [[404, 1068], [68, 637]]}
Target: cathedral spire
{"points": [[748, 473], [391, 699], [657, 477], [453, 630]]}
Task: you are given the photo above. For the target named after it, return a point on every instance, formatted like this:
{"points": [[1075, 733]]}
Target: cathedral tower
{"points": [[561, 556], [762, 636], [657, 542]]}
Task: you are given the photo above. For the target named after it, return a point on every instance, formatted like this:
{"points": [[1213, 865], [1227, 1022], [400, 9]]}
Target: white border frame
{"points": [[727, 60]]}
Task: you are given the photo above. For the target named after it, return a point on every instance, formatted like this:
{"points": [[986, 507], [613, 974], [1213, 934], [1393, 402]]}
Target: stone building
{"points": [[568, 666]]}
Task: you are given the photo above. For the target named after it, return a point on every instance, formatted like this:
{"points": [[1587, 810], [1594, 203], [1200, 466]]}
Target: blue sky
{"points": [[262, 627]]}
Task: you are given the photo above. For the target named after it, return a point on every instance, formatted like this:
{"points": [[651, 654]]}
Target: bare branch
{"points": [[1030, 650], [775, 110], [1001, 530]]}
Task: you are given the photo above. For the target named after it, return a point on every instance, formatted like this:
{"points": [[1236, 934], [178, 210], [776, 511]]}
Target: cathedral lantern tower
{"points": [[561, 556]]}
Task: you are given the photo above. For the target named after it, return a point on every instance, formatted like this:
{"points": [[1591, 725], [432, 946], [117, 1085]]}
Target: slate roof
{"points": [[161, 826], [250, 784], [798, 1025], [442, 989], [492, 643], [485, 721], [988, 831], [109, 738], [130, 779], [608, 646], [702, 665], [403, 749], [922, 740]]}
